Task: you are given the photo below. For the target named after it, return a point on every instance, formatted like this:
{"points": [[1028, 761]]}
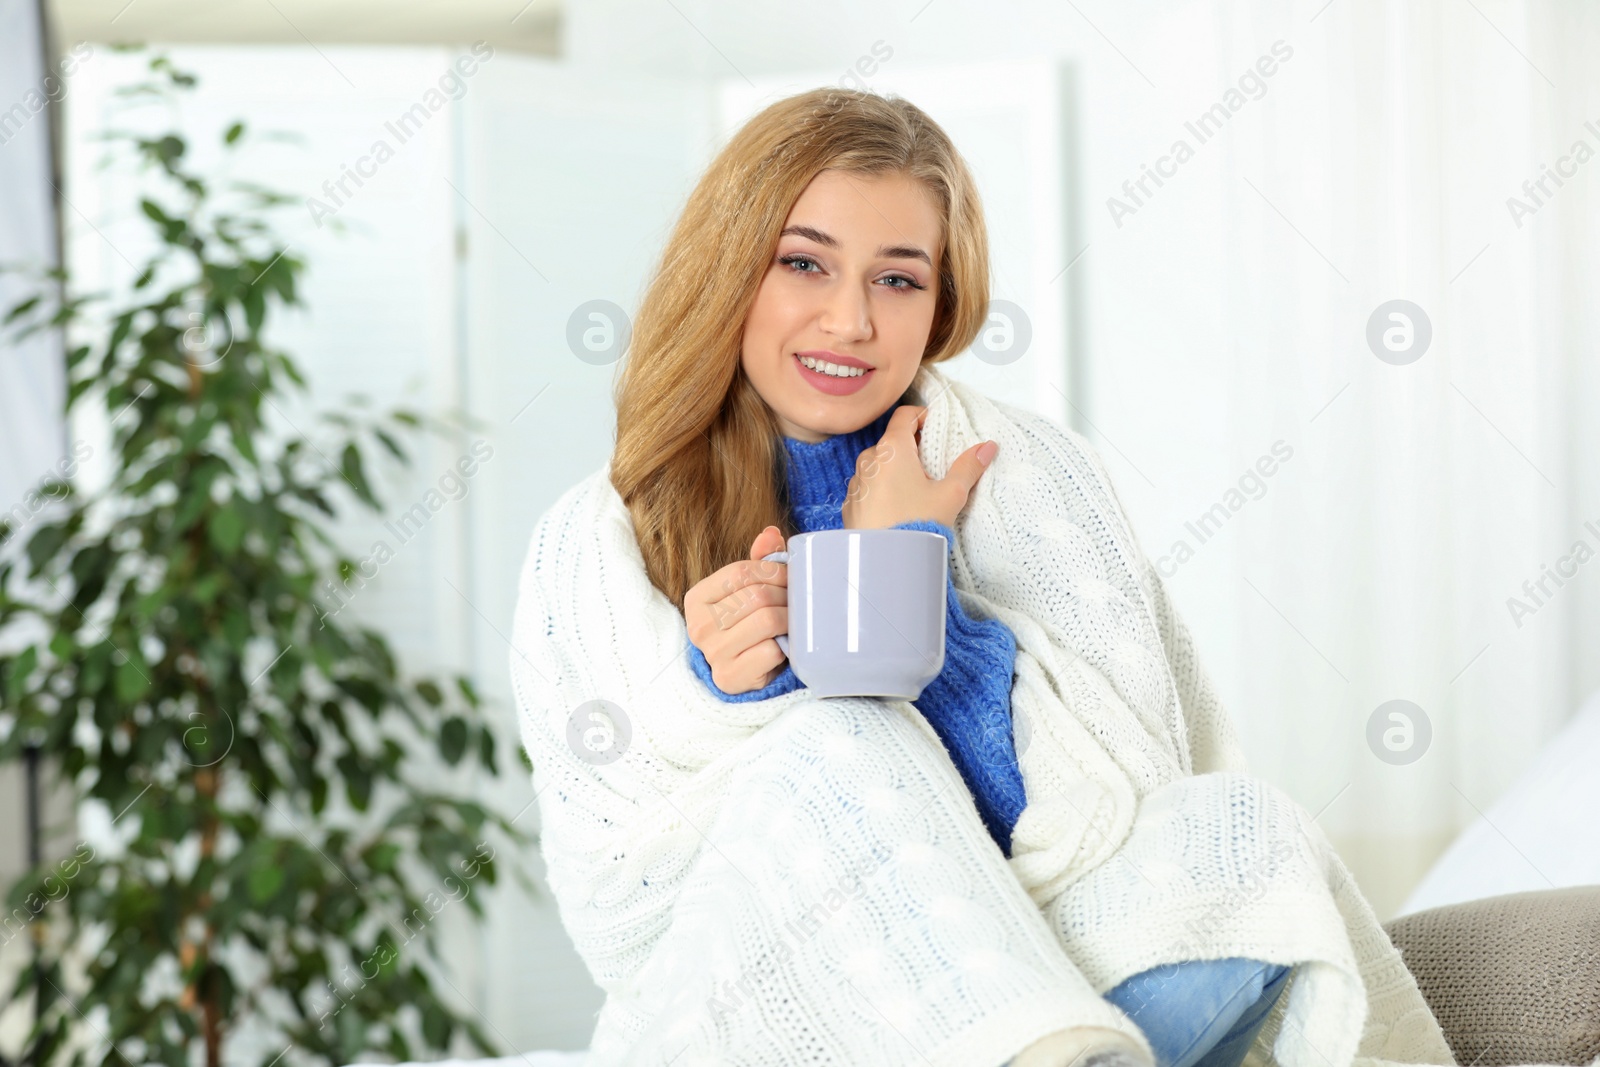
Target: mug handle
{"points": [[781, 557]]}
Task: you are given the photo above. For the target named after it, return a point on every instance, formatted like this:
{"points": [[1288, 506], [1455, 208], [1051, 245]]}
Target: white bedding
{"points": [[1543, 833]]}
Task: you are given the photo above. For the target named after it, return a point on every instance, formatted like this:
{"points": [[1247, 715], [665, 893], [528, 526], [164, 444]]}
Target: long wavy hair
{"points": [[699, 461]]}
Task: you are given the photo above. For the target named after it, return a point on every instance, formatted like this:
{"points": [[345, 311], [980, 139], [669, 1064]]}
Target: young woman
{"points": [[881, 266], [832, 254]]}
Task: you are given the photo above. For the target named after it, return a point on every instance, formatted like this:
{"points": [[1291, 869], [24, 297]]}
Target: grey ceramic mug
{"points": [[866, 611]]}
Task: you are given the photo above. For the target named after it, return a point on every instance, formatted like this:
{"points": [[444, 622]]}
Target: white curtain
{"points": [[1230, 313]]}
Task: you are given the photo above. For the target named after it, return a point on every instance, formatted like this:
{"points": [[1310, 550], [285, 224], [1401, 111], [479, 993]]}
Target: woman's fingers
{"points": [[768, 541], [726, 595], [748, 652], [761, 663], [970, 465], [966, 470], [733, 614], [905, 422], [732, 610]]}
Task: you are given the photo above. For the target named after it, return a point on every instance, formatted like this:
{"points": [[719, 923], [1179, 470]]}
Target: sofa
{"points": [[1513, 978]]}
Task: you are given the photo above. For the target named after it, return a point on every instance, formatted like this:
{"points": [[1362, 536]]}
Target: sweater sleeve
{"points": [[969, 707], [785, 682]]}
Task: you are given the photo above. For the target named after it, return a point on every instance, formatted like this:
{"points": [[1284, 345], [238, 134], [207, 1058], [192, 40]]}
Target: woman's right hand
{"points": [[734, 613]]}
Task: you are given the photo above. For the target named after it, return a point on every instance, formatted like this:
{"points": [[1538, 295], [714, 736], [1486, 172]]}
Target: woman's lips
{"points": [[827, 383]]}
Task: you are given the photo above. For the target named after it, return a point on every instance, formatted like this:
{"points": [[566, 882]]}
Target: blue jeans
{"points": [[1201, 1013]]}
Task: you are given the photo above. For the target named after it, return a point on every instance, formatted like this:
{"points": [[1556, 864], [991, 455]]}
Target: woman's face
{"points": [[854, 281]]}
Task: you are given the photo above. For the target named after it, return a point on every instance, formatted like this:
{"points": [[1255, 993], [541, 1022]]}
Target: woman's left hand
{"points": [[890, 485]]}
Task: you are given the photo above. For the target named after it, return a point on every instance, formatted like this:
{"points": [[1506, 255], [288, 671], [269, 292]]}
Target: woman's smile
{"points": [[833, 374]]}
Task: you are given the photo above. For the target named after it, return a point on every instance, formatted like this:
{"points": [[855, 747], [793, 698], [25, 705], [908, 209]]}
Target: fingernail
{"points": [[986, 452]]}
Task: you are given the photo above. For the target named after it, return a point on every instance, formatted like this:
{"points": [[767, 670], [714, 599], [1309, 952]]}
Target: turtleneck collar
{"points": [[820, 472]]}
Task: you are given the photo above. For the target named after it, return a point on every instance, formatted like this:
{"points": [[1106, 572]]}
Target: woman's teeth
{"points": [[832, 369]]}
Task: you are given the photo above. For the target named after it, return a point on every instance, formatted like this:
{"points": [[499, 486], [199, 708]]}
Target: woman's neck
{"points": [[818, 472]]}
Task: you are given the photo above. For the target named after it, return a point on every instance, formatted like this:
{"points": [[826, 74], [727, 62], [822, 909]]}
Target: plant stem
{"points": [[206, 782]]}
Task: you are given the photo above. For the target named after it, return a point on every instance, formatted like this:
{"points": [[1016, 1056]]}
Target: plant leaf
{"points": [[226, 529], [382, 857], [44, 546], [22, 309], [265, 880], [453, 739], [17, 676], [390, 443], [131, 680], [351, 467]]}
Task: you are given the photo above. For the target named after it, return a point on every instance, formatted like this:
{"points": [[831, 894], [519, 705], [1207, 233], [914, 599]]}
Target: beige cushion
{"points": [[1511, 979]]}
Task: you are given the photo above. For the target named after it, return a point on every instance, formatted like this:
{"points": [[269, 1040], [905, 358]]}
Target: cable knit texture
{"points": [[805, 881], [969, 703]]}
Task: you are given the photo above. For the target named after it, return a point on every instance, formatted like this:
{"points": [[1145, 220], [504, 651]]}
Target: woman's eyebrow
{"points": [[886, 252]]}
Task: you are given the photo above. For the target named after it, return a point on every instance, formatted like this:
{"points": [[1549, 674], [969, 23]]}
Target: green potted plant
{"points": [[281, 848]]}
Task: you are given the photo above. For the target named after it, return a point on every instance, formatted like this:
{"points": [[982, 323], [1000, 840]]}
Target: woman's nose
{"points": [[847, 314]]}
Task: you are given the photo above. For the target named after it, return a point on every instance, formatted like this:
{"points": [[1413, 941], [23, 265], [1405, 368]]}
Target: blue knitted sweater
{"points": [[969, 703]]}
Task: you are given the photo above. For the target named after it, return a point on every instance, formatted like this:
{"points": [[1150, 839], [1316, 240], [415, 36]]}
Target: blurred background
{"points": [[1317, 279]]}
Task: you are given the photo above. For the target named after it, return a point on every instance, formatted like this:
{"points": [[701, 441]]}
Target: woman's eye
{"points": [[791, 260], [798, 264]]}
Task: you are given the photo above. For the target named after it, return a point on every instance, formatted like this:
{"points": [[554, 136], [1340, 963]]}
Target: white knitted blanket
{"points": [[807, 881]]}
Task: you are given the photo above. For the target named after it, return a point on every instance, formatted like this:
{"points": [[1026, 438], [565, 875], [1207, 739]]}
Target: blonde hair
{"points": [[698, 459]]}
